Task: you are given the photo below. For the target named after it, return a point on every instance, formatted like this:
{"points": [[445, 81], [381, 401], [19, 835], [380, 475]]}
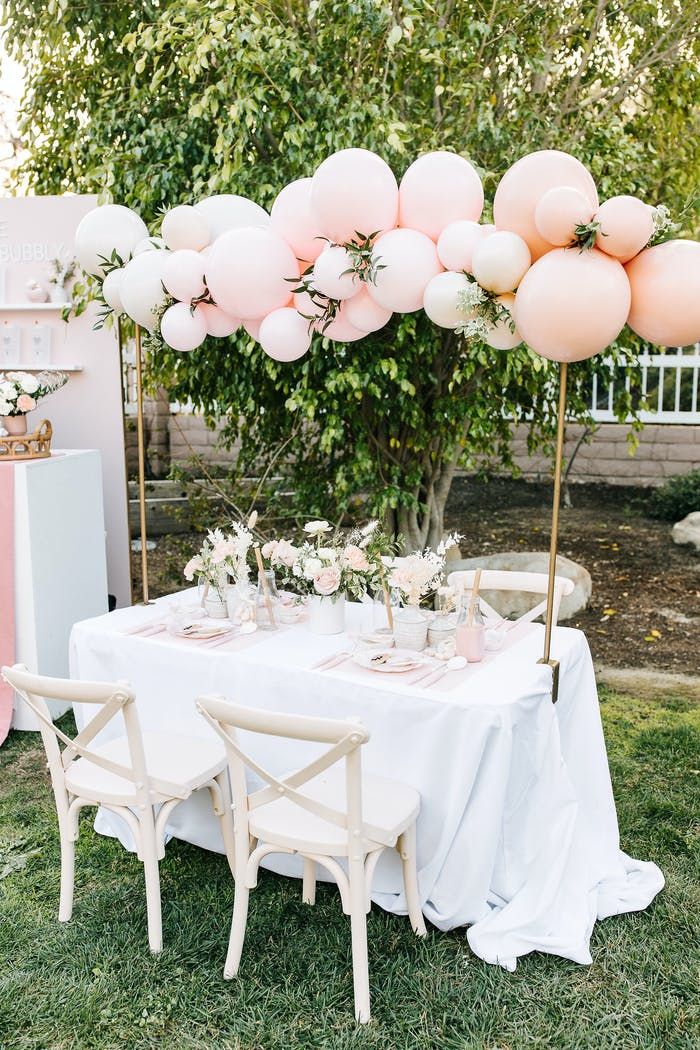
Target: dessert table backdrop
{"points": [[517, 834]]}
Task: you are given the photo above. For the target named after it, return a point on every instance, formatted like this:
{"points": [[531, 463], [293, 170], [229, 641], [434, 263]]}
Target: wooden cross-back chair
{"points": [[508, 580], [320, 812], [140, 777]]}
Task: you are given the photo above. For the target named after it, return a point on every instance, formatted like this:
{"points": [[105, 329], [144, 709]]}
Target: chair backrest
{"points": [[509, 580], [344, 737], [112, 698]]}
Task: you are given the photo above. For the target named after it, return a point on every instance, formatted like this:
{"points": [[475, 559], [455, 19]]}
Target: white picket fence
{"points": [[669, 385]]}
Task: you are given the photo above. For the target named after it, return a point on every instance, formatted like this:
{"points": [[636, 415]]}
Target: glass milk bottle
{"points": [[470, 637]]}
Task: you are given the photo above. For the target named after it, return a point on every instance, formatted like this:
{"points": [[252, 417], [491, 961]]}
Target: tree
{"points": [[159, 103]]}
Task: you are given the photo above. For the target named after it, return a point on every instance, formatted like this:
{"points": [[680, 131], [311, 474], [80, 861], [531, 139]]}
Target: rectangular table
{"points": [[517, 834]]}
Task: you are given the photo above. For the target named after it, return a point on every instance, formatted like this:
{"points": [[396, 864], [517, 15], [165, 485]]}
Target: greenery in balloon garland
{"points": [[327, 308], [364, 267], [483, 310]]}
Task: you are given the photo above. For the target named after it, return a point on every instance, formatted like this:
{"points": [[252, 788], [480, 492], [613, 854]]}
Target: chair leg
{"points": [[226, 821], [308, 892], [238, 925], [358, 927], [407, 851], [149, 855], [65, 907]]}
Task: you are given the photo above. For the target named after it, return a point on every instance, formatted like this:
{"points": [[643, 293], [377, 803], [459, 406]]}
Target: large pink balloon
{"points": [[626, 226], [437, 189], [183, 274], [410, 261], [559, 211], [457, 242], [181, 328], [364, 314], [284, 335], [218, 323], [292, 218], [665, 282], [571, 305], [522, 186], [247, 271], [354, 191]]}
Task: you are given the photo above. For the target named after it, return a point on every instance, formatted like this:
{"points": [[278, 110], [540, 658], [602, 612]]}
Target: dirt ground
{"points": [[645, 607]]}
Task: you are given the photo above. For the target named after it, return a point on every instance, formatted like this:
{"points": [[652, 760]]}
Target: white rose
{"points": [[312, 566], [30, 384], [5, 408], [316, 528], [328, 553], [8, 390]]}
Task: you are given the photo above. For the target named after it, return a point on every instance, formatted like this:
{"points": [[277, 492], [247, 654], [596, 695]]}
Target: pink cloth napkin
{"points": [[7, 596]]}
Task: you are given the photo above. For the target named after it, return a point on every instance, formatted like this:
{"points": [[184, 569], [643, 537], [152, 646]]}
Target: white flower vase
{"points": [[410, 628], [215, 606], [240, 602], [58, 294], [327, 613]]}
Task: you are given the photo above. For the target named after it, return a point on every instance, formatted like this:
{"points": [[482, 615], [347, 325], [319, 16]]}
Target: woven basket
{"points": [[36, 445]]}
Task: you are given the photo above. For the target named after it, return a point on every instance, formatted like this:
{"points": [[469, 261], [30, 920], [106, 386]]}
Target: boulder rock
{"points": [[687, 531], [515, 603]]}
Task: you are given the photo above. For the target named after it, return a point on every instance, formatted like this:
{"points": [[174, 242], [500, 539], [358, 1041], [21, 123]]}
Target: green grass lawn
{"points": [[93, 982]]}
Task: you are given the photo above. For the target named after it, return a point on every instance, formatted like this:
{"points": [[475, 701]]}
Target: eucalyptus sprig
{"points": [[328, 307], [483, 311], [585, 235], [361, 251]]}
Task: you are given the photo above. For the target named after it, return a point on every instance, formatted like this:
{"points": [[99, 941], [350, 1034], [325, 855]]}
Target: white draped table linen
{"points": [[517, 833]]}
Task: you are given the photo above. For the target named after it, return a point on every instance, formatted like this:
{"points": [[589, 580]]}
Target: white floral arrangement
{"points": [[20, 392], [421, 573], [322, 565], [224, 555]]}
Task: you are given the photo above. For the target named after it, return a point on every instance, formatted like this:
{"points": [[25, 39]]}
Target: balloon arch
{"points": [[341, 252]]}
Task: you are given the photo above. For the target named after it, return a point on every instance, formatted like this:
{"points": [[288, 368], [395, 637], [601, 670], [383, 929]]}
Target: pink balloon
{"points": [[247, 272], [182, 329], [437, 189], [354, 191], [457, 242], [500, 335], [526, 181], [340, 330], [364, 314], [330, 276], [559, 211], [183, 275], [284, 335], [218, 323], [500, 262], [410, 261], [305, 305], [253, 328], [626, 226], [665, 282], [291, 217], [571, 305]]}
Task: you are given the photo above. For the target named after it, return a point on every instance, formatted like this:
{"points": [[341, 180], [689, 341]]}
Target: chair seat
{"points": [[387, 806], [179, 760]]}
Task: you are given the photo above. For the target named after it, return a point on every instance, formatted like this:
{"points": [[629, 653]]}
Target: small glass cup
{"points": [[267, 601]]}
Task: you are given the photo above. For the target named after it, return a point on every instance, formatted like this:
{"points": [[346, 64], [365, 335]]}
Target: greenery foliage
{"points": [[153, 104], [677, 497]]}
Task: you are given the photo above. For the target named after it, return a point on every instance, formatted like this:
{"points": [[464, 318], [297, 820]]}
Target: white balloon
{"points": [[457, 242], [228, 211], [500, 261], [329, 274], [109, 228], [111, 290], [440, 299], [182, 328], [149, 244], [185, 227], [183, 275], [500, 336], [141, 289]]}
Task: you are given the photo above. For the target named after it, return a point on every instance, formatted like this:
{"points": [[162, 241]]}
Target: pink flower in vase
{"points": [[327, 580], [355, 558], [25, 403]]}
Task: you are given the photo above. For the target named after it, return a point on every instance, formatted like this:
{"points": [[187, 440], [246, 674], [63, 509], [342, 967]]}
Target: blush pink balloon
{"points": [[571, 305], [248, 271], [218, 323], [291, 217], [340, 330], [284, 335], [559, 211], [364, 314], [500, 336], [330, 274], [182, 329], [183, 274], [626, 226], [437, 189], [410, 261], [253, 328], [457, 242], [354, 191], [304, 304], [526, 182], [665, 282]]}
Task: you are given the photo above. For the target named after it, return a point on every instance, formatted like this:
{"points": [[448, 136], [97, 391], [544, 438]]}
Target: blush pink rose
{"points": [[355, 558], [25, 403], [327, 580]]}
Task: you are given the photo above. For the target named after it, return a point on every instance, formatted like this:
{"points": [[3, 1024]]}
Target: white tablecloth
{"points": [[517, 834]]}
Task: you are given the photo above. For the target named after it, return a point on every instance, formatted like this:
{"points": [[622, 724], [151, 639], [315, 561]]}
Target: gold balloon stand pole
{"points": [[556, 497], [120, 346], [142, 467]]}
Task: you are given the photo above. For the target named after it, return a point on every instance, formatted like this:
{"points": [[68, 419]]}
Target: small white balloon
{"points": [[182, 328], [501, 336], [107, 229], [500, 261], [457, 242], [440, 300], [228, 211], [330, 276], [284, 335], [111, 290], [183, 275], [185, 227], [141, 288]]}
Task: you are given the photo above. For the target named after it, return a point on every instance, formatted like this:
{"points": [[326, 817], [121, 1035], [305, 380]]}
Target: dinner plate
{"points": [[389, 661], [204, 629]]}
